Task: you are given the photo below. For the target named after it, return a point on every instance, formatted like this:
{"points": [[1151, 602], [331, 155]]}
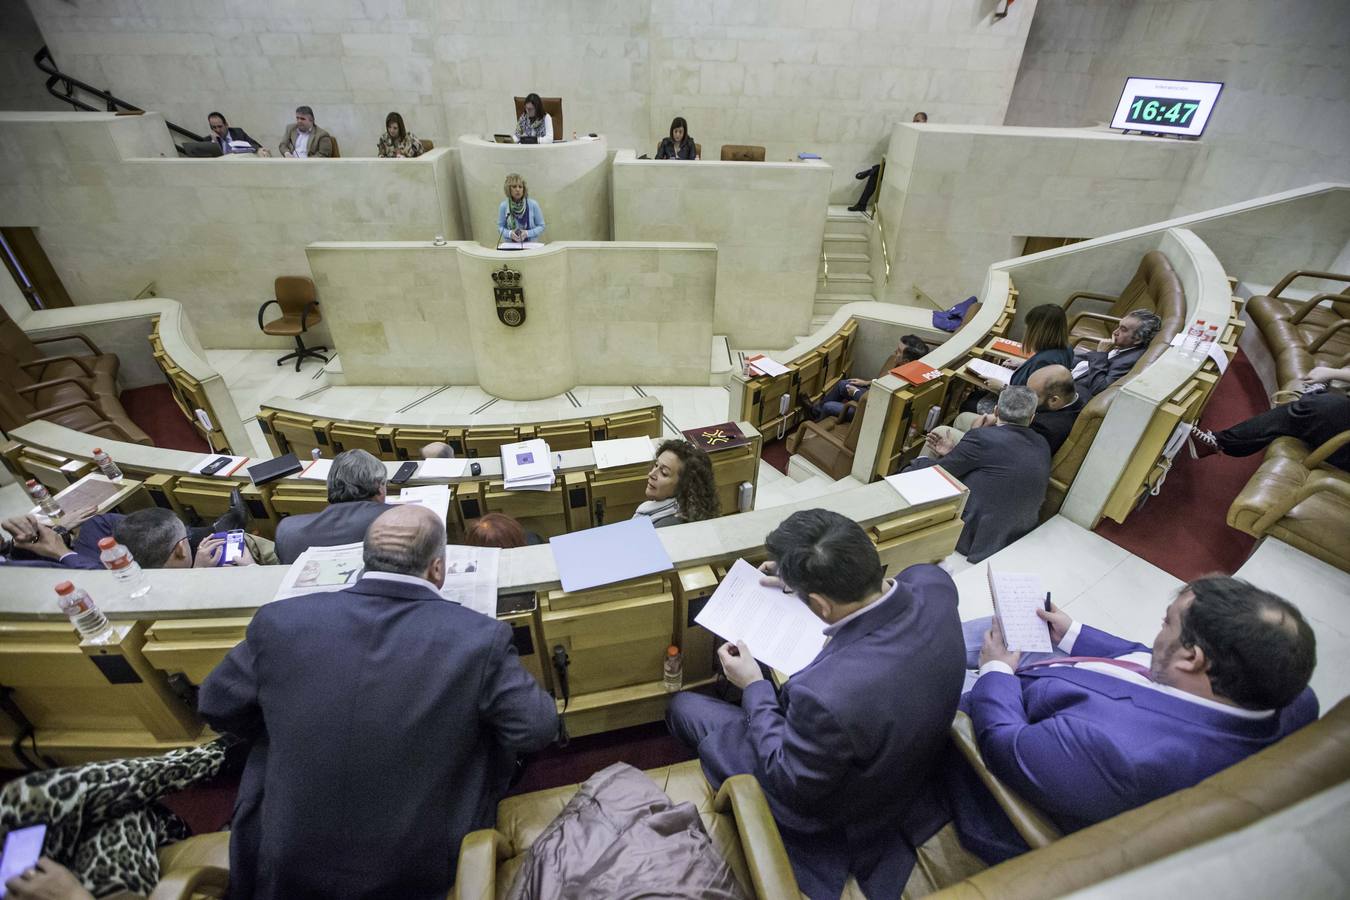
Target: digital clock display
{"points": [[1152, 110], [1166, 106]]}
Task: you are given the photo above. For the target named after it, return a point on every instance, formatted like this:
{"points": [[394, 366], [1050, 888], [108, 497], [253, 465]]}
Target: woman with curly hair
{"points": [[680, 486]]}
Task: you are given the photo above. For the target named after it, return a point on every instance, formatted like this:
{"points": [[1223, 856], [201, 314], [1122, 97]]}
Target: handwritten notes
{"points": [[1017, 596]]}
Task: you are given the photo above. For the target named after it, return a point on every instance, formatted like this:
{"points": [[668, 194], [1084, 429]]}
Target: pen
{"points": [[1047, 601]]}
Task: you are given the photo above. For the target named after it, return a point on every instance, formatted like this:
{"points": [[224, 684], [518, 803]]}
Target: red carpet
{"points": [[775, 454], [1184, 531], [154, 410]]}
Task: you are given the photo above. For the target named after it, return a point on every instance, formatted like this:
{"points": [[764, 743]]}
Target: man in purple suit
{"points": [[847, 755], [1113, 725]]}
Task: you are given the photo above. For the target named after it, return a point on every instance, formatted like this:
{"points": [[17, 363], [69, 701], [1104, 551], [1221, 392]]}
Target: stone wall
{"points": [[831, 78], [1283, 119], [21, 82]]}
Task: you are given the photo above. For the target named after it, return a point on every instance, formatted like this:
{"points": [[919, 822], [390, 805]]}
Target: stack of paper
{"points": [[317, 470], [441, 468], [924, 485], [527, 466], [435, 497], [1017, 596], [622, 452], [759, 364], [991, 372], [780, 630]]}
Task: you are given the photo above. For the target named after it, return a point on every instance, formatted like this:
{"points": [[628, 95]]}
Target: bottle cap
{"points": [[672, 650], [64, 588], [107, 543], [98, 450], [32, 483]]}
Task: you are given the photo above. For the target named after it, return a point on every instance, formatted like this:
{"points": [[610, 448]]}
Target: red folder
{"points": [[916, 372]]}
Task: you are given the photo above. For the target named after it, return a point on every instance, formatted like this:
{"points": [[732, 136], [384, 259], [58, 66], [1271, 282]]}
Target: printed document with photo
{"points": [[471, 577], [321, 569]]}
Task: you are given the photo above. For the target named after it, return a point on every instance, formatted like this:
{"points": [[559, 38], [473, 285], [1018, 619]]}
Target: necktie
{"points": [[1073, 660]]}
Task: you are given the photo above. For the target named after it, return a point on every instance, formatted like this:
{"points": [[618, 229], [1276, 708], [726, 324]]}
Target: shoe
{"points": [[857, 209], [807, 406], [236, 518], [1203, 443]]}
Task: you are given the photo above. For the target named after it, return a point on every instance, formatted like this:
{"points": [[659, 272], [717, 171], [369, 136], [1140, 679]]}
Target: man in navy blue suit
{"points": [[384, 722], [847, 754], [1113, 725]]}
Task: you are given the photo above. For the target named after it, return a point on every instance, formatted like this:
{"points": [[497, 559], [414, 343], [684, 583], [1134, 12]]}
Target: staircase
{"points": [[776, 489], [845, 263]]}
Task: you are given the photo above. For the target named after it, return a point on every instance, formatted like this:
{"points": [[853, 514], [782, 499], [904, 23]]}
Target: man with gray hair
{"points": [[1005, 465], [356, 490], [1096, 370], [383, 724]]}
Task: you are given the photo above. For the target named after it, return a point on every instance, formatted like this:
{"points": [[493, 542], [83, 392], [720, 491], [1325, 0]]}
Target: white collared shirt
{"points": [[403, 579], [888, 591], [301, 143], [1142, 658]]}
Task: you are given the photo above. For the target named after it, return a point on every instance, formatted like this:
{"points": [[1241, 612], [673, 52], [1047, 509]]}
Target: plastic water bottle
{"points": [[673, 669], [1194, 334], [106, 465], [44, 499], [80, 609], [125, 569]]}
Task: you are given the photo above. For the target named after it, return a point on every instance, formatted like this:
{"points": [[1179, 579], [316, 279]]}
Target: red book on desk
{"points": [[1012, 348], [916, 372], [712, 438]]}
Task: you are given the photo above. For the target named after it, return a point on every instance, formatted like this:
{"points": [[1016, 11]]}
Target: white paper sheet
{"points": [[235, 464], [520, 245], [990, 371], [764, 366], [316, 470], [610, 553], [924, 485], [441, 468], [780, 630], [1017, 596], [435, 497], [622, 452], [471, 577], [527, 466], [322, 569]]}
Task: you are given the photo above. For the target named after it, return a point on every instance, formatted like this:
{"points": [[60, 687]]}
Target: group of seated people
{"points": [[306, 140], [336, 698]]}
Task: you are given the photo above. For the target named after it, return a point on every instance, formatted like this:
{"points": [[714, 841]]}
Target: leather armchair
{"points": [[194, 869], [737, 818], [299, 306], [831, 444], [1154, 286], [1303, 334], [742, 153]]}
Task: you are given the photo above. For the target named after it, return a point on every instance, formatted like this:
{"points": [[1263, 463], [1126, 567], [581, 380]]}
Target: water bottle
{"points": [[106, 465], [43, 498], [80, 609], [1206, 341], [315, 454], [124, 567], [673, 669], [1194, 335]]}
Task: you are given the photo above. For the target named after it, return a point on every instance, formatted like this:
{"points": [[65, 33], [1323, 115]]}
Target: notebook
{"points": [[916, 372], [1017, 596], [990, 371]]}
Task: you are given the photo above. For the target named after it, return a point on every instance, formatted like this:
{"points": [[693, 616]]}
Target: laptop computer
{"points": [[504, 138]]}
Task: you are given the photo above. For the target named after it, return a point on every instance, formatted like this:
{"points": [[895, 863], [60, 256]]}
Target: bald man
{"points": [[1061, 400], [383, 722]]}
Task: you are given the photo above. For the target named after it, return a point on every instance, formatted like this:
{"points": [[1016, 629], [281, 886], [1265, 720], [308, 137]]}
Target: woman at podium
{"points": [[519, 218]]}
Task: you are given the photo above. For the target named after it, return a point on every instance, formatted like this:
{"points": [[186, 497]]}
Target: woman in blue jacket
{"points": [[519, 218]]}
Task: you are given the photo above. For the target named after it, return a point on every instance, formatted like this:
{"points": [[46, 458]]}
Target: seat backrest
{"points": [[294, 293], [553, 107], [427, 145], [698, 149], [855, 426], [14, 341], [1153, 281], [742, 153], [336, 151]]}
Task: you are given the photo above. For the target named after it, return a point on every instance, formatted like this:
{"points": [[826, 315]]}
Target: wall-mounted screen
{"points": [[1166, 106]]}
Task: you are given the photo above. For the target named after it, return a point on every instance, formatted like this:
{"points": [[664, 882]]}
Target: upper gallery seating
{"points": [[78, 392], [1303, 334]]}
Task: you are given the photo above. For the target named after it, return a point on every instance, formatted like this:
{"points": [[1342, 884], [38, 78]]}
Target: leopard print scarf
{"points": [[103, 819]]}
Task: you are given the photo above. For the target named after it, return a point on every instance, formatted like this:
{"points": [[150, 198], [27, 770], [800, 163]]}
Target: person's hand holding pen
{"points": [[1059, 621]]}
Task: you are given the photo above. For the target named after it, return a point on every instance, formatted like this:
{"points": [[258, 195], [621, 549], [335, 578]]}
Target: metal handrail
{"points": [[44, 61], [879, 221]]}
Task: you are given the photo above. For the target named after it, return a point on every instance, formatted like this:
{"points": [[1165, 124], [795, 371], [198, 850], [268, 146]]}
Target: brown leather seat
{"points": [[1303, 334], [299, 306], [831, 443], [1168, 300], [1154, 284], [1305, 763], [77, 391], [194, 869], [742, 153], [1296, 497], [552, 107], [336, 153]]}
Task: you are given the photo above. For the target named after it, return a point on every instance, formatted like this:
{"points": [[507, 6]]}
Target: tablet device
{"points": [[273, 469], [504, 138]]}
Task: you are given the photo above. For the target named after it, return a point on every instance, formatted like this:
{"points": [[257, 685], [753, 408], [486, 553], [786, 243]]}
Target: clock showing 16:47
{"points": [[1166, 106]]}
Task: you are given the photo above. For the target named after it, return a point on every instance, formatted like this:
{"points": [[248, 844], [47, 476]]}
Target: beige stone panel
{"points": [[569, 180]]}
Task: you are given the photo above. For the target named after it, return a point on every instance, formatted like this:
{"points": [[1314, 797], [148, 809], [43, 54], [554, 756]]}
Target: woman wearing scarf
{"points": [[397, 142], [680, 487], [519, 218], [534, 122]]}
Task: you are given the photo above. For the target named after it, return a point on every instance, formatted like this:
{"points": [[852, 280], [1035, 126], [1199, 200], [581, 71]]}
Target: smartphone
{"points": [[233, 548], [23, 848], [404, 472], [216, 465]]}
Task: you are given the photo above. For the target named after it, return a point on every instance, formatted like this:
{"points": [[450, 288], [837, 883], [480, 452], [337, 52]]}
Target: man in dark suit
{"points": [[1060, 403], [847, 753], [1098, 369], [1007, 468], [232, 140], [356, 490], [1114, 725], [383, 723]]}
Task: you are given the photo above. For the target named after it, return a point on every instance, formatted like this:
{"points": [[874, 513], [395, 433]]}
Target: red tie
{"points": [[1073, 660]]}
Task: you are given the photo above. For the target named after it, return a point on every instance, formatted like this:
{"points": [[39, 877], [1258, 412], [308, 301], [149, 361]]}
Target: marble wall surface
{"points": [[1282, 121], [569, 180], [767, 220], [116, 209], [404, 313], [957, 198], [828, 77]]}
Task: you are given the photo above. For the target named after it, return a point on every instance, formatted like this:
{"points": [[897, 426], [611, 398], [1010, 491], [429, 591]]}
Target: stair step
{"points": [[818, 321], [839, 211], [846, 262], [844, 237], [838, 298], [851, 278]]}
